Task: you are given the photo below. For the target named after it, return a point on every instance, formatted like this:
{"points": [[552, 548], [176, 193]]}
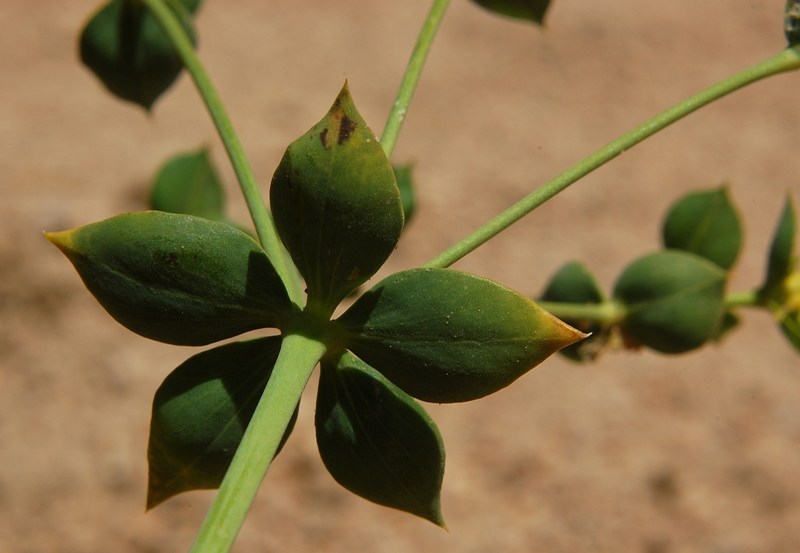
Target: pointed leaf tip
{"points": [[335, 203]]}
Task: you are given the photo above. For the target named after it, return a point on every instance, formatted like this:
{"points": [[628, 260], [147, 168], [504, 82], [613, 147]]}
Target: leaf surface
{"points": [[125, 47], [189, 184], [378, 442], [528, 10], [781, 253], [705, 223], [445, 336], [200, 413], [405, 185], [176, 278], [674, 299], [336, 205]]}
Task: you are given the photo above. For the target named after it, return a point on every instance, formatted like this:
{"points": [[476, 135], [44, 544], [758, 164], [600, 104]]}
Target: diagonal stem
{"points": [[787, 60], [262, 219], [411, 77], [298, 357]]}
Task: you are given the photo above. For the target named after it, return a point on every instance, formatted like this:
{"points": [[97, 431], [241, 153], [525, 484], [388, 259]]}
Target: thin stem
{"points": [[787, 60], [296, 361], [412, 75], [265, 227], [611, 312], [736, 300], [608, 313]]}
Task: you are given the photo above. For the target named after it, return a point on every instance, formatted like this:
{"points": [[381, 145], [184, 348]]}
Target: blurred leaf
{"points": [[573, 283], [705, 223], [781, 254], [378, 442], [200, 413], [674, 300], [792, 22], [336, 204], [126, 48], [405, 184], [176, 278], [728, 323], [188, 183], [790, 326], [191, 5], [445, 336], [530, 10]]}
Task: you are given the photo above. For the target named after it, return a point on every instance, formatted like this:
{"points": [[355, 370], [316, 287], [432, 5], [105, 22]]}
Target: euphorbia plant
{"points": [[183, 275]]}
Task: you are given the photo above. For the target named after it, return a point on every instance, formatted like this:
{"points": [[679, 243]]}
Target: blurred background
{"points": [[637, 452]]}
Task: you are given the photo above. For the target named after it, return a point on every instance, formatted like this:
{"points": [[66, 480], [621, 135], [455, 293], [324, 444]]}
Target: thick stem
{"points": [[298, 357], [265, 227], [412, 75], [787, 60]]}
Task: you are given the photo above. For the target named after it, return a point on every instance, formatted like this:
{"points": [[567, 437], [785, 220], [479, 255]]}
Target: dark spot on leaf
{"points": [[323, 137], [346, 129], [354, 275], [169, 259]]}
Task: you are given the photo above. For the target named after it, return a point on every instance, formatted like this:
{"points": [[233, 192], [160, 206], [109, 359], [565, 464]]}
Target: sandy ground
{"points": [[636, 453]]}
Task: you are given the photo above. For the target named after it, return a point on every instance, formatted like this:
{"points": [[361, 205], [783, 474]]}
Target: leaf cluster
{"points": [[674, 300], [432, 334]]}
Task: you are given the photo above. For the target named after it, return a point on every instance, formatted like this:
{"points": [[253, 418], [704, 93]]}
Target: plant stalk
{"points": [[262, 219], [411, 77], [298, 357], [611, 312], [787, 60], [735, 300], [607, 313]]}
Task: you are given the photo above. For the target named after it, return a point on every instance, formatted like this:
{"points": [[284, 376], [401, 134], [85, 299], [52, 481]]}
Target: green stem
{"points": [[787, 60], [611, 312], [265, 227], [607, 313], [296, 361], [736, 300], [412, 75]]}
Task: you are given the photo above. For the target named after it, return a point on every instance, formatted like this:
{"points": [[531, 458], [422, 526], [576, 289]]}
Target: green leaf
{"points": [[674, 300], [200, 413], [378, 442], [781, 253], [336, 205], [126, 48], [405, 184], [188, 183], [529, 10], [792, 22], [445, 336], [790, 326], [730, 321], [705, 223], [573, 283], [176, 278], [780, 292]]}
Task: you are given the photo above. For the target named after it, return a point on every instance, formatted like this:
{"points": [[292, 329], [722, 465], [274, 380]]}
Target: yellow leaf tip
{"points": [[61, 239]]}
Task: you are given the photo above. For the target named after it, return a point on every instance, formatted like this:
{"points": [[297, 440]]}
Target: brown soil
{"points": [[636, 453]]}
